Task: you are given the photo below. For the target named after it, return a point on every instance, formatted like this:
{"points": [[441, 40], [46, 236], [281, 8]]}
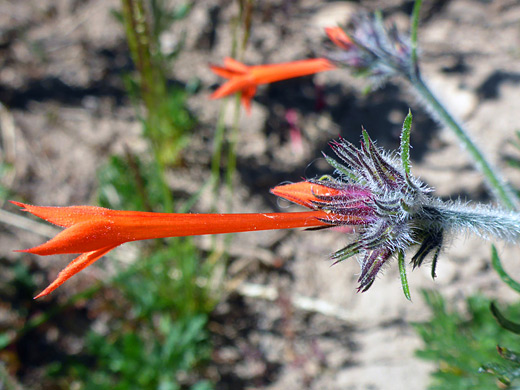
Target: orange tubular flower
{"points": [[304, 193], [94, 231], [339, 37], [245, 79]]}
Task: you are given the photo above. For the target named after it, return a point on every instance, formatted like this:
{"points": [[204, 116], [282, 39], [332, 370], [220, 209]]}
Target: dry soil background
{"points": [[294, 322]]}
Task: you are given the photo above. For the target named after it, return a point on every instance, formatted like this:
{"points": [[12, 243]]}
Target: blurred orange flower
{"points": [[245, 79], [339, 37]]}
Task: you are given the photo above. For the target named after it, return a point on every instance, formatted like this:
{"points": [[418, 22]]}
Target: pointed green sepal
{"points": [[343, 254], [341, 168], [366, 139], [327, 178], [405, 206]]}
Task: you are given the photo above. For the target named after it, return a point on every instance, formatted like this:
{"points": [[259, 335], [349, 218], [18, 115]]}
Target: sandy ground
{"points": [[301, 324]]}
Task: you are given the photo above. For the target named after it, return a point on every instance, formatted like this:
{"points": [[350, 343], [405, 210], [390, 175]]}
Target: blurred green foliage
{"points": [[156, 333], [172, 278], [514, 161], [166, 121], [460, 344], [5, 170], [508, 369], [156, 336], [142, 359], [128, 183]]}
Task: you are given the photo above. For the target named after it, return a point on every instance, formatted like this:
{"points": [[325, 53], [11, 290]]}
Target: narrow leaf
{"points": [[405, 142], [497, 265], [502, 373], [402, 274], [503, 321], [508, 354]]}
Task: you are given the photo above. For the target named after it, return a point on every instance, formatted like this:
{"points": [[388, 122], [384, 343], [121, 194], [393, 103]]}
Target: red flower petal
{"points": [[78, 264]]}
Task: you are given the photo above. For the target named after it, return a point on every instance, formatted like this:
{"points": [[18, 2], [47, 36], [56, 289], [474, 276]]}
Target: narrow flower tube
{"points": [[94, 231], [245, 79]]}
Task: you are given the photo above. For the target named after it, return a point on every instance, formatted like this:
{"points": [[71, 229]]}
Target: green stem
{"points": [[218, 144], [244, 20], [232, 155], [486, 221], [152, 83], [499, 187], [415, 28], [152, 80]]}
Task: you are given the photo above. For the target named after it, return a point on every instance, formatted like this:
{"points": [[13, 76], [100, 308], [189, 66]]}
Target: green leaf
{"points": [[516, 143], [405, 142], [508, 354], [402, 274], [497, 370], [182, 11], [503, 321], [202, 385], [5, 340], [497, 265], [505, 372]]}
